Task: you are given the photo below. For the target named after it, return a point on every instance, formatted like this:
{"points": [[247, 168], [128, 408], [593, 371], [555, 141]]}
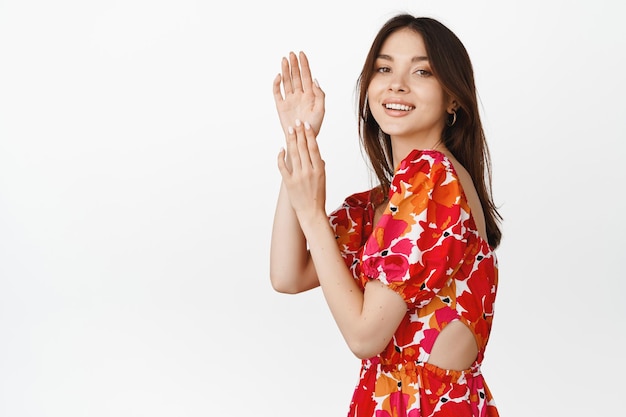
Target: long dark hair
{"points": [[465, 139]]}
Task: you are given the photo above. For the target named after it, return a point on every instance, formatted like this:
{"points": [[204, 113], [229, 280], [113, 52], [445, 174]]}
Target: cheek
{"points": [[373, 98], [432, 101], [436, 97], [377, 85], [377, 112], [372, 90]]}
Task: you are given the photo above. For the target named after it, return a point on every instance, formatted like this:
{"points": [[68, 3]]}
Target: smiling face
{"points": [[404, 96]]}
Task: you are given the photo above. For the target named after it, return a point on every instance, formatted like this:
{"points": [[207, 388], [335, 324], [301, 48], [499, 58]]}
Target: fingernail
{"points": [[307, 125], [316, 83], [290, 129], [298, 123]]}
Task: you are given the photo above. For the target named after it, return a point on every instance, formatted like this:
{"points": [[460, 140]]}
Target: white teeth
{"points": [[396, 106]]}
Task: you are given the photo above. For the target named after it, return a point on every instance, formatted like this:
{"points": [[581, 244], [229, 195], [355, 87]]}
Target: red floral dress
{"points": [[425, 247]]}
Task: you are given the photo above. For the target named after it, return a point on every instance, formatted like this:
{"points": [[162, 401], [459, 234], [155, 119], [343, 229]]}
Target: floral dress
{"points": [[426, 247]]}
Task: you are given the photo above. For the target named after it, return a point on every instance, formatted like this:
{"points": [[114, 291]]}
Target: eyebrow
{"points": [[414, 59]]}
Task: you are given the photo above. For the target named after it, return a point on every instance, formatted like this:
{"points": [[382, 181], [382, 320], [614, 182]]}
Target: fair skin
{"points": [[291, 267], [410, 105]]}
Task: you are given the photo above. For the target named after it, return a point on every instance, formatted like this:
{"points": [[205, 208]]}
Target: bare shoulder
{"points": [[472, 196]]}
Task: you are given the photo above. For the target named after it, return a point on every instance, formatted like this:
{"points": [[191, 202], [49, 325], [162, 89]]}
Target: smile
{"points": [[397, 106]]}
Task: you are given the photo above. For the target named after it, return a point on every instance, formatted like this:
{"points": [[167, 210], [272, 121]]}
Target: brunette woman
{"points": [[408, 268]]}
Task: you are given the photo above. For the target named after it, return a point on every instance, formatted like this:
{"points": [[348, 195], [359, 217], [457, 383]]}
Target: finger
{"points": [[295, 72], [278, 96], [317, 91], [284, 67], [313, 150], [282, 165], [305, 71], [303, 149], [292, 150]]}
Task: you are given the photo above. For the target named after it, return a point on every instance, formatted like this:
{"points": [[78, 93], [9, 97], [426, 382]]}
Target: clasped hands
{"points": [[301, 106], [303, 171]]}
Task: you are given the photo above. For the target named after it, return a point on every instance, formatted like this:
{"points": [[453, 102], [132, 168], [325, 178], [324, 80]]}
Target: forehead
{"points": [[404, 42]]}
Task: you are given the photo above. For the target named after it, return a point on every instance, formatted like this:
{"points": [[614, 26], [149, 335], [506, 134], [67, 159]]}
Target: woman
{"points": [[407, 268]]}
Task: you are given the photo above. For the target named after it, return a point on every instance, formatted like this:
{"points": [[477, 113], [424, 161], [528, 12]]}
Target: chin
{"points": [[394, 131]]}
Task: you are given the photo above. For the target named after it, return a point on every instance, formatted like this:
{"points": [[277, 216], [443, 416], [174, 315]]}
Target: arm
{"points": [[291, 268], [367, 320]]}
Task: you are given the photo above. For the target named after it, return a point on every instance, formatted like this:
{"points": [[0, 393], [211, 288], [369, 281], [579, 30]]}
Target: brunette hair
{"points": [[465, 139]]}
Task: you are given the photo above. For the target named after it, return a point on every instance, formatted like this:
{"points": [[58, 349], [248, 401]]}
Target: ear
{"points": [[452, 106]]}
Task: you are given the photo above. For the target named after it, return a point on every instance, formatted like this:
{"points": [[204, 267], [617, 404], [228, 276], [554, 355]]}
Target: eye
{"points": [[383, 69], [423, 73]]}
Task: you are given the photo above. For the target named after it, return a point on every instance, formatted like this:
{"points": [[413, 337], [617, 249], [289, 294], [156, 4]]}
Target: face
{"points": [[405, 98]]}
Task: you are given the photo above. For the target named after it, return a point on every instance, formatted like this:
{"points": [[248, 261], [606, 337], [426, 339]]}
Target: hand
{"points": [[301, 98], [305, 175]]}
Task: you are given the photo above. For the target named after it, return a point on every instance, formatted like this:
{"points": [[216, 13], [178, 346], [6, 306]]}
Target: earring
{"points": [[451, 123]]}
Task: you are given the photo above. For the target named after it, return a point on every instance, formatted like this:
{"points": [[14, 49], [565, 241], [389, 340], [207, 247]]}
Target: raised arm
{"points": [[366, 320], [297, 97]]}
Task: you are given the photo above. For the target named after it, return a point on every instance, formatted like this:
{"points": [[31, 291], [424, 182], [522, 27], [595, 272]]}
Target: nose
{"points": [[398, 83]]}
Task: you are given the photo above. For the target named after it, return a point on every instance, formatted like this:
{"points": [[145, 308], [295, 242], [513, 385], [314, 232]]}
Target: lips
{"points": [[398, 106]]}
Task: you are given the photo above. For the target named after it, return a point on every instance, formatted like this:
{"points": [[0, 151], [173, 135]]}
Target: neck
{"points": [[402, 147]]}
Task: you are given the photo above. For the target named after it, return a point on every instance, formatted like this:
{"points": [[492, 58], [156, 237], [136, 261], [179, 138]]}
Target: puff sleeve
{"points": [[421, 239], [348, 222]]}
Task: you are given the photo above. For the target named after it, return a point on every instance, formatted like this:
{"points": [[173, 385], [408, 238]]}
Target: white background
{"points": [[138, 142]]}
